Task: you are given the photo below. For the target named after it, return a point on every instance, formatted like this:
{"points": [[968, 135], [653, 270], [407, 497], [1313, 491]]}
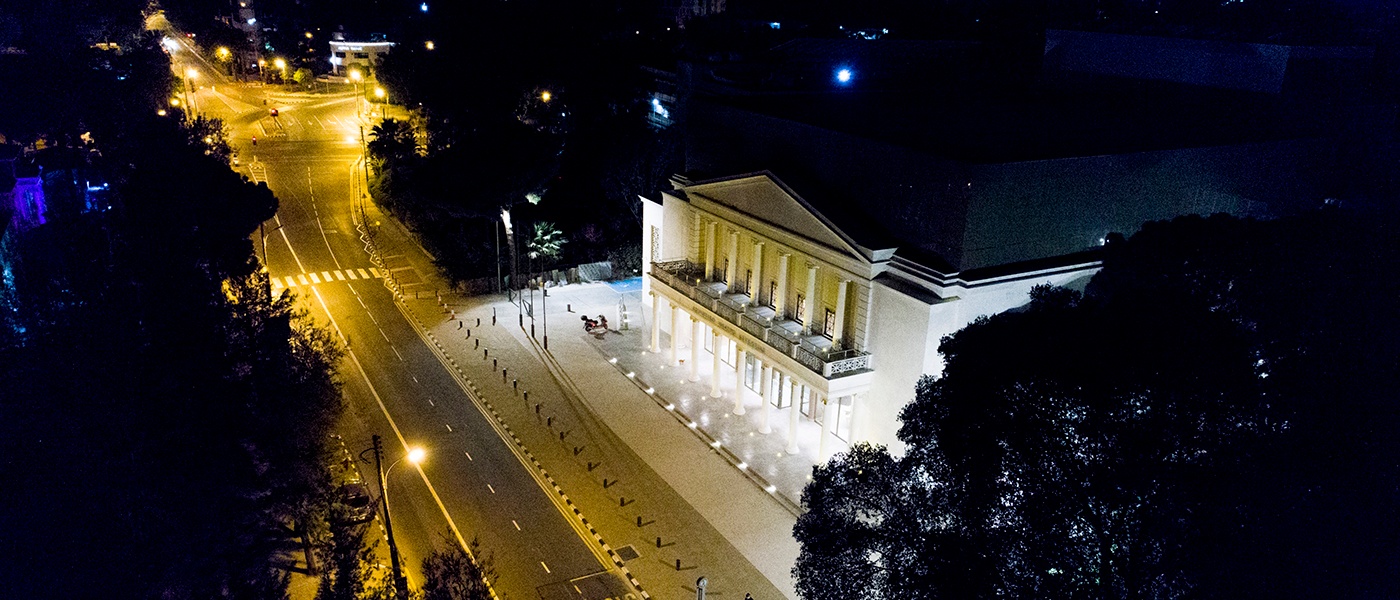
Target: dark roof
{"points": [[987, 127]]}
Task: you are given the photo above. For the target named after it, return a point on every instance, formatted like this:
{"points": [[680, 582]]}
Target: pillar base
{"points": [[716, 395], [694, 378], [792, 450], [739, 410]]}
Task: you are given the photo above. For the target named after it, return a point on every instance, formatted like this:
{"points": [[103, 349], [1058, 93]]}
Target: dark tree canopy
{"points": [[1184, 430]]}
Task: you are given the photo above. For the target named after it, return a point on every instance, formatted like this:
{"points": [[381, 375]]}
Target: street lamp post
{"points": [[380, 94], [356, 76], [190, 76], [414, 456]]}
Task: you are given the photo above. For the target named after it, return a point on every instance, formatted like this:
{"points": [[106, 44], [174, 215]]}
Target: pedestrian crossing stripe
{"points": [[291, 281]]}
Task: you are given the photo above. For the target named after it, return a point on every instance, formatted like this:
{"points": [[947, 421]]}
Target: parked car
{"points": [[358, 502], [272, 112]]}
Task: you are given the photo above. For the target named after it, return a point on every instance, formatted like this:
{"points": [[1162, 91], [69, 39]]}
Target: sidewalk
{"points": [[634, 470]]}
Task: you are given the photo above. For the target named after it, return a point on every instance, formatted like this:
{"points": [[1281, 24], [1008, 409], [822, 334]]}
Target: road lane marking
{"points": [[493, 490], [430, 401], [302, 279], [288, 242], [326, 275], [396, 352], [375, 272], [315, 279], [291, 282], [449, 428], [339, 275], [386, 336], [469, 457], [546, 567], [363, 273], [351, 273], [517, 526]]}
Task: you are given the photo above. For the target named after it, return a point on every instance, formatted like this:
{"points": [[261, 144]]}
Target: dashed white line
{"points": [[430, 401], [449, 428], [493, 490], [517, 528], [381, 332], [469, 455], [396, 351]]}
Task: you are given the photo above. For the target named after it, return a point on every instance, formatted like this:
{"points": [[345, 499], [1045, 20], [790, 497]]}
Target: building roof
{"points": [[766, 198]]}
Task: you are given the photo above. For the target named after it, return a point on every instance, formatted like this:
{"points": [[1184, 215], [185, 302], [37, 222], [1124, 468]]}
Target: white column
{"points": [[780, 303], [655, 323], [857, 407], [739, 380], [695, 348], [827, 416], [757, 273], [710, 231], [838, 335], [732, 273], [672, 358], [794, 411], [767, 398], [809, 303], [717, 342]]}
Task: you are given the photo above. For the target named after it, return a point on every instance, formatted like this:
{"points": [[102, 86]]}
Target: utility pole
{"points": [[400, 584]]}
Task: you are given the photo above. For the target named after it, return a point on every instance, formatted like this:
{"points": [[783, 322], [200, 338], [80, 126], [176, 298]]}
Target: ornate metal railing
{"points": [[753, 326], [686, 278]]}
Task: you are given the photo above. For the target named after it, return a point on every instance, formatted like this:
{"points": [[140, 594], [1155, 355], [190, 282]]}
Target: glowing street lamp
{"points": [[430, 45], [545, 96], [414, 456]]}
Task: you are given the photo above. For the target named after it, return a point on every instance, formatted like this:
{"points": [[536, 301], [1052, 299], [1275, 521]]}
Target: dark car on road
{"points": [[359, 505]]}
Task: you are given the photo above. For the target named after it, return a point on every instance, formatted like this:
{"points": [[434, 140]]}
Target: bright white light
{"points": [[844, 76], [170, 44], [423, 7], [416, 455], [252, 20]]}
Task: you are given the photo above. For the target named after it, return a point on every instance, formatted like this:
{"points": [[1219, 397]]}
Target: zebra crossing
{"points": [[315, 277]]}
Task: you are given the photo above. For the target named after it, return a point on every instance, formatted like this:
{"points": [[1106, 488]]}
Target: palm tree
{"points": [[546, 242], [391, 142]]}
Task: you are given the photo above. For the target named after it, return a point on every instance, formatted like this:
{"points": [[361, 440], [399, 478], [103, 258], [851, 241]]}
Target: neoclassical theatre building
{"points": [[819, 327]]}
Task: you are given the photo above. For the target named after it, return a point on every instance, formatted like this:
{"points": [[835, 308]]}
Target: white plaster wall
{"points": [[899, 326], [651, 217], [906, 332], [675, 220]]}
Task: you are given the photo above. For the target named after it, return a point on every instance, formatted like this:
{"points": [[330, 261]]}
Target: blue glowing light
{"points": [[844, 75], [423, 7], [252, 21], [775, 25]]}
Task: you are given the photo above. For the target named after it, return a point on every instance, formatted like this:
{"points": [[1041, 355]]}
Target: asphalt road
{"points": [[473, 484]]}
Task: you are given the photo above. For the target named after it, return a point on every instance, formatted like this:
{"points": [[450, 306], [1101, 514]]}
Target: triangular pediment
{"points": [[764, 197]]}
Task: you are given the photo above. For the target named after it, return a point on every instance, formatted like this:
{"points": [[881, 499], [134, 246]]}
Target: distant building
{"points": [[365, 56], [826, 236], [21, 189]]}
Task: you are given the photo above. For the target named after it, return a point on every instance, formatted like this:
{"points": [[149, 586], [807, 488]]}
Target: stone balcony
{"points": [[779, 333]]}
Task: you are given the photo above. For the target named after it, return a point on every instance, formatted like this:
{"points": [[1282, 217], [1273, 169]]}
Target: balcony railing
{"points": [[689, 280]]}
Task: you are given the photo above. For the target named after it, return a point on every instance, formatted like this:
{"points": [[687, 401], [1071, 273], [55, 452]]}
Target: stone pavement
{"points": [[637, 471]]}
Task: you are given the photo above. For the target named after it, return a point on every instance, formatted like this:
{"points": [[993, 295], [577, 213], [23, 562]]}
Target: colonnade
{"points": [[774, 386]]}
